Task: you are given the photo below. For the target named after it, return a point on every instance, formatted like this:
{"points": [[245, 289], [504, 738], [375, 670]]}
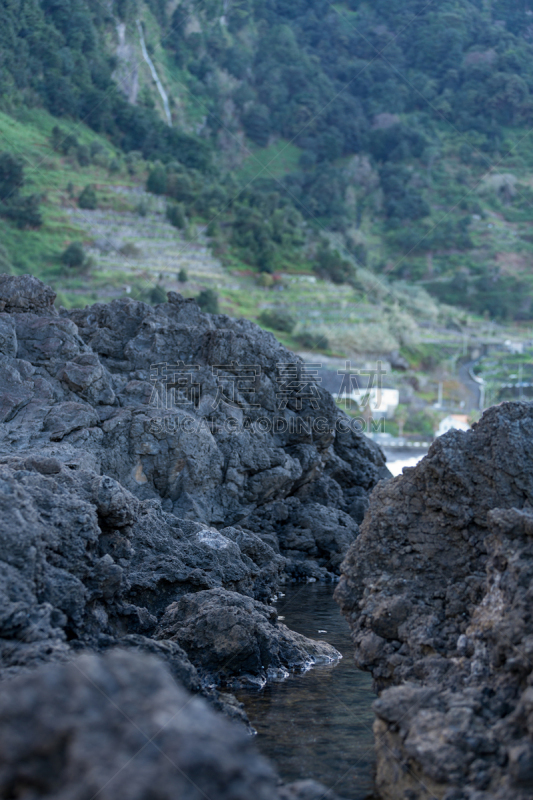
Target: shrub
{"points": [[265, 259], [208, 301], [278, 319], [265, 280], [56, 137], [132, 161], [74, 256], [11, 176], [312, 341], [96, 148], [114, 166], [101, 160], [69, 144], [83, 155], [130, 250], [183, 276], [190, 233], [213, 229], [330, 265], [157, 180], [402, 326], [257, 124], [63, 142], [181, 186], [158, 295], [23, 211], [175, 215], [87, 198]]}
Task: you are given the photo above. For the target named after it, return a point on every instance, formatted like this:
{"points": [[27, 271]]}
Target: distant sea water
{"points": [[398, 459]]}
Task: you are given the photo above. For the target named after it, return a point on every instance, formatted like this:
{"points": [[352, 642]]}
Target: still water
{"points": [[317, 724]]}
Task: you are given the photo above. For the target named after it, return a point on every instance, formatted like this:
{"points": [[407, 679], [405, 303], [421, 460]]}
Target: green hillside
{"points": [[347, 140]]}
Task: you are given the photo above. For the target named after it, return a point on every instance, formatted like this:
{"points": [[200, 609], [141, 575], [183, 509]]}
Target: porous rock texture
{"points": [[438, 591], [81, 387], [117, 727], [233, 634], [164, 532]]}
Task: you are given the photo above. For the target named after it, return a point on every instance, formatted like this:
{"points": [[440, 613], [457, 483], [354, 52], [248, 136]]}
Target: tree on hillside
{"points": [[74, 256], [330, 265], [87, 199], [11, 176], [208, 301], [23, 210]]}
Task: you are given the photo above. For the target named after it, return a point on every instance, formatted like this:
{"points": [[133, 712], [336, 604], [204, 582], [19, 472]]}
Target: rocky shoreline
{"points": [[142, 540], [437, 590]]}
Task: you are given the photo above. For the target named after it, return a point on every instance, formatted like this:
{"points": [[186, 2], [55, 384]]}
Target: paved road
{"points": [[473, 388]]}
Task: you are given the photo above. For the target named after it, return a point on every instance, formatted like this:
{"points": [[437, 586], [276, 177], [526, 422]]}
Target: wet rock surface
{"points": [[119, 727], [307, 790], [437, 590], [164, 531], [238, 638]]}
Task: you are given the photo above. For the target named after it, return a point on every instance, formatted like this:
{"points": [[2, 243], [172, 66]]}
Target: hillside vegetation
{"points": [[349, 140]]}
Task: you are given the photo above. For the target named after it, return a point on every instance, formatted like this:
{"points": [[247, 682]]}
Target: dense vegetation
{"points": [[53, 53], [410, 121], [427, 97]]}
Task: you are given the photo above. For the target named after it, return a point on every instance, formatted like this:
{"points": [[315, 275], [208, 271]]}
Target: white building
{"points": [[381, 402], [457, 422], [516, 348]]}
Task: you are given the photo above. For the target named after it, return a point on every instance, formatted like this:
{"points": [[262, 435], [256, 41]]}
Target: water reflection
{"points": [[318, 725]]}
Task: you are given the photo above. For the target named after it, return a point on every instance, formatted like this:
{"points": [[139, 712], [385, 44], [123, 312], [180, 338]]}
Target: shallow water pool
{"points": [[317, 724]]}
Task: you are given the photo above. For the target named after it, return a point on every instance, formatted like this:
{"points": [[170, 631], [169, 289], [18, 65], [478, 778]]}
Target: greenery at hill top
{"points": [[404, 127]]}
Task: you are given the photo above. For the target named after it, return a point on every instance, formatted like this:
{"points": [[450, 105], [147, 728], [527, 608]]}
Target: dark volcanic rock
{"points": [[235, 637], [118, 727], [113, 509], [85, 562], [158, 527], [437, 589], [307, 790], [26, 294], [84, 387]]}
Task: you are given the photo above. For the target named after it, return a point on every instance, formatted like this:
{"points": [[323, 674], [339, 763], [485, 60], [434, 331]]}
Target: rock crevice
{"points": [[162, 531]]}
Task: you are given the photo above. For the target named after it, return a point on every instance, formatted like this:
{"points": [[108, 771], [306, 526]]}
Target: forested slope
{"points": [[401, 127]]}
